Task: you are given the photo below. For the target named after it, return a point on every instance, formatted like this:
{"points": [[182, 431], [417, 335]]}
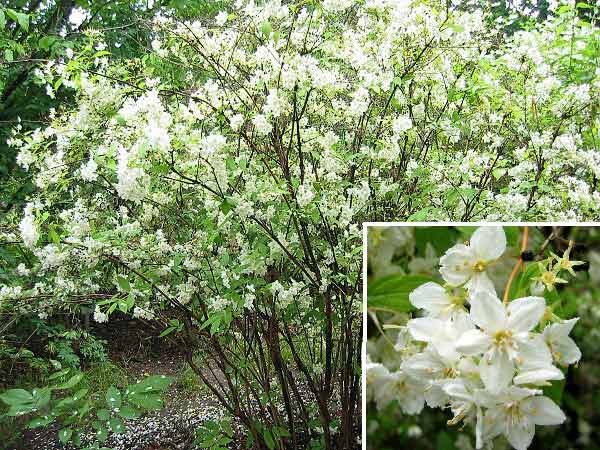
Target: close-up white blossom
{"points": [[489, 360]]}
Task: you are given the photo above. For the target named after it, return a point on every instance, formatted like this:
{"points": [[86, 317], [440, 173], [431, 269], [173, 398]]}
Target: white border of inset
{"points": [[363, 275]]}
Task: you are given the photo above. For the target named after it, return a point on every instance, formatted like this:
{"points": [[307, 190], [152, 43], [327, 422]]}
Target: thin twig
{"points": [[518, 265]]}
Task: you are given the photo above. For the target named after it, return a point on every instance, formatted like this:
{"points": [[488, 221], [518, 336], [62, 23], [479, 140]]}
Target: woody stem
{"points": [[515, 270]]}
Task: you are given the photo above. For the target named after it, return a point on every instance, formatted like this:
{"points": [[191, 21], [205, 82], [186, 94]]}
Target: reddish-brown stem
{"points": [[518, 266]]}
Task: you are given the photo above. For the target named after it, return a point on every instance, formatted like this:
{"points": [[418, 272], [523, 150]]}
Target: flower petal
{"points": [[520, 433], [539, 376], [492, 424], [423, 365], [480, 282], [566, 351], [457, 389], [534, 353], [488, 243], [543, 411], [435, 396], [479, 429], [525, 313], [563, 328], [431, 297], [456, 266], [424, 328], [487, 312], [497, 373], [473, 342]]}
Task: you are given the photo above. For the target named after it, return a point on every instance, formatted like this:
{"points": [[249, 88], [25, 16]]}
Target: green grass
{"points": [[188, 381], [101, 376]]}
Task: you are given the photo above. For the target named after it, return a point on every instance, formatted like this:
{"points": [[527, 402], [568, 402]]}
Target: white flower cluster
{"points": [[28, 229], [485, 359]]}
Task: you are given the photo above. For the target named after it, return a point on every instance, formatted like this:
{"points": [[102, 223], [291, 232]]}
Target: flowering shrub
{"points": [[489, 360], [214, 186]]}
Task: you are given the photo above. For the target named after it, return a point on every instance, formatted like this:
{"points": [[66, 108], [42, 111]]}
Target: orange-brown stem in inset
{"points": [[517, 266]]}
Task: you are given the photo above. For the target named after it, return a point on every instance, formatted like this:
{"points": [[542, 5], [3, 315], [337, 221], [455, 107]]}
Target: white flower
{"points": [[436, 300], [535, 363], [132, 181], [88, 170], [221, 18], [441, 334], [467, 264], [408, 391], [274, 104], [23, 270], [336, 5], [305, 195], [401, 124], [212, 143], [563, 348], [436, 371], [373, 372], [236, 122], [515, 413], [28, 229], [465, 405], [503, 331], [263, 127], [99, 316]]}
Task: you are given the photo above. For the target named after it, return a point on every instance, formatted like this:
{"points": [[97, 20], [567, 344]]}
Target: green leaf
{"points": [[442, 238], [555, 391], [269, 439], [80, 394], [467, 231], [116, 425], [214, 318], [21, 18], [59, 374], [167, 331], [73, 381], [520, 287], [421, 215], [146, 401], [113, 397], [64, 435], [41, 397], [103, 414], [16, 397], [2, 19], [40, 422], [266, 29], [123, 283], [102, 434], [9, 55], [47, 42], [20, 409], [126, 412], [444, 441], [152, 383], [125, 304], [53, 235], [513, 236], [391, 292]]}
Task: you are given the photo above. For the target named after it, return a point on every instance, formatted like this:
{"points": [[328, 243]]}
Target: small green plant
{"points": [[101, 376], [70, 405], [188, 381], [214, 435]]}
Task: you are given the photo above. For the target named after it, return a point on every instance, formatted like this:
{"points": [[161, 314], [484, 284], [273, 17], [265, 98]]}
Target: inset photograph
{"points": [[482, 337]]}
